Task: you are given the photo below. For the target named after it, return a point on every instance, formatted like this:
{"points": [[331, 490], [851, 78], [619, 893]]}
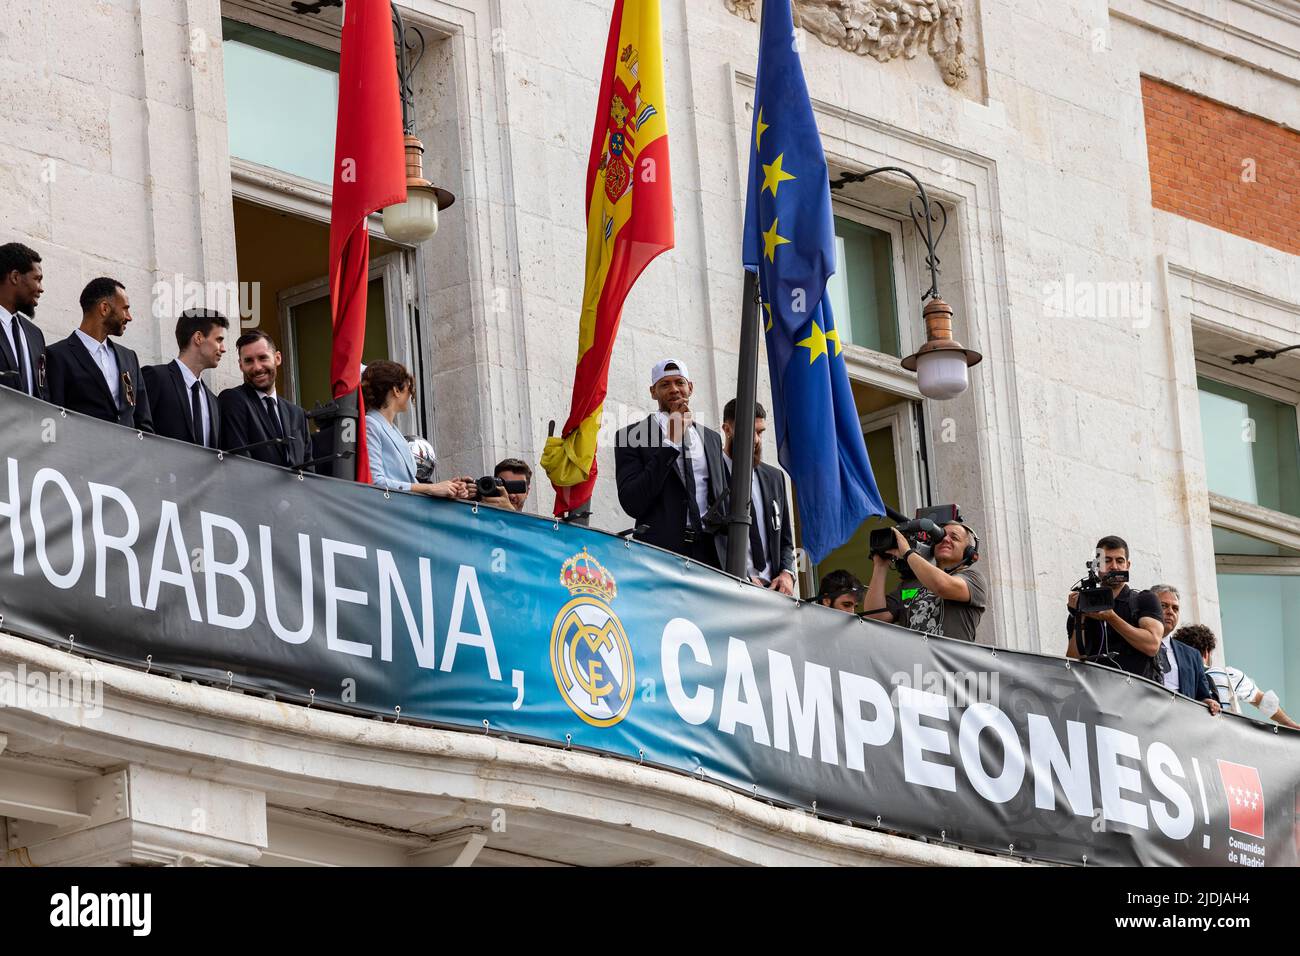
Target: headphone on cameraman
{"points": [[972, 552]]}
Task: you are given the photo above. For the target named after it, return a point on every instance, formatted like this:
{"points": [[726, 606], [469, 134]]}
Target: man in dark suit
{"points": [[771, 539], [252, 413], [183, 406], [22, 345], [1178, 666], [94, 376], [669, 471]]}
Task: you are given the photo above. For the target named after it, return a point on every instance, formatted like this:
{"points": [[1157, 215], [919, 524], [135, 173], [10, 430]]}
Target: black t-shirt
{"points": [[1099, 637]]}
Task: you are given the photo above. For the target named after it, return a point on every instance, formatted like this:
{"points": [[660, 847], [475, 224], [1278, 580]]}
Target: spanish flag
{"points": [[629, 222]]}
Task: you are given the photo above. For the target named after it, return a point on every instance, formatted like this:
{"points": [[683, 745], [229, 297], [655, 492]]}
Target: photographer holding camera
{"points": [[945, 597], [1125, 635]]}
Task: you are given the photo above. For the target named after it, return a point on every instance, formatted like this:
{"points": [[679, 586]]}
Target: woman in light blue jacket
{"points": [[387, 388]]}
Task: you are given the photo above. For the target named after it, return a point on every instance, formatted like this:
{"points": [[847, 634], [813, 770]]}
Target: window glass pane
{"points": [[281, 101], [1230, 542], [862, 289], [1252, 450], [1259, 612], [854, 554], [313, 335]]}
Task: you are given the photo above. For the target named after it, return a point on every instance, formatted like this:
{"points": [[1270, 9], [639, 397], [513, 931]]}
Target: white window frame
{"points": [[388, 268], [1243, 517], [276, 189], [907, 462], [879, 369]]}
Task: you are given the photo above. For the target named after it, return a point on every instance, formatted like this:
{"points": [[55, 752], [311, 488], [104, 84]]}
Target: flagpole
{"points": [[742, 437]]}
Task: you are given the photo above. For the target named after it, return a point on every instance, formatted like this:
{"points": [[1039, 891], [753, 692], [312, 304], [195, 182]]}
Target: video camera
{"points": [[922, 532], [489, 487], [1094, 589]]}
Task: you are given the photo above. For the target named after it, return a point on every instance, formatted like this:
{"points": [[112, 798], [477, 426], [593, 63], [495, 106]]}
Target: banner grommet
{"points": [[230, 679], [568, 740], [311, 694], [397, 710], [148, 663], [486, 726], [473, 509], [140, 435], [221, 455]]}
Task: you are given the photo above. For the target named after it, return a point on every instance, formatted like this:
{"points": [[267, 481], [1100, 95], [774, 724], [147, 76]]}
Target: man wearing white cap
{"points": [[669, 470]]}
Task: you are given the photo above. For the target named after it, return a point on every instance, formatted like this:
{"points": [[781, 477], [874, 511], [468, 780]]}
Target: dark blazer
{"points": [[1193, 682], [169, 401], [244, 421], [34, 344], [776, 517], [650, 487], [77, 384]]}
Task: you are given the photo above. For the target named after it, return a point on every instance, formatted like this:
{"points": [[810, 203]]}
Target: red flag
{"points": [[1245, 795], [369, 174]]}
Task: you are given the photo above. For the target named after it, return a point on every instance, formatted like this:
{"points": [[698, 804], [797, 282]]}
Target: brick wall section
{"points": [[1197, 150]]}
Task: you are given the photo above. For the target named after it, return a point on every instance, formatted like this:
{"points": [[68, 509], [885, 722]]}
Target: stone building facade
{"points": [[1121, 182]]}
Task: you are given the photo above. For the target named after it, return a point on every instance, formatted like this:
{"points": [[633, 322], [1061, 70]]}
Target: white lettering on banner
{"points": [[977, 719], [390, 584], [307, 583], [330, 549], [467, 585], [13, 510], [1116, 778], [213, 569], [914, 704], [1047, 758], [735, 710], [123, 544], [856, 690], [169, 532], [680, 633], [1161, 762], [68, 579], [815, 714]]}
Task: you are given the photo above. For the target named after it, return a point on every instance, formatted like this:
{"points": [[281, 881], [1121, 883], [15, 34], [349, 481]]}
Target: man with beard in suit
{"points": [[771, 540], [22, 345], [252, 413], [90, 374], [669, 471], [183, 406]]}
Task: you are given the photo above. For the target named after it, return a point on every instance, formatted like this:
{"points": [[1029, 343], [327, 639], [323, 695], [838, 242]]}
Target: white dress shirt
{"points": [[699, 463], [9, 323], [1170, 679], [190, 378], [106, 359], [760, 519]]}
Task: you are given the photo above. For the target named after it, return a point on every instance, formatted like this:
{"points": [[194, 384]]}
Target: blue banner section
{"points": [[475, 618]]}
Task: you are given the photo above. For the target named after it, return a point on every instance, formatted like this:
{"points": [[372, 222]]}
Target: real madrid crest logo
{"points": [[590, 655]]}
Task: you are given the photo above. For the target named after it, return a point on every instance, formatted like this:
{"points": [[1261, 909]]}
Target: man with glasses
{"points": [[1178, 666]]}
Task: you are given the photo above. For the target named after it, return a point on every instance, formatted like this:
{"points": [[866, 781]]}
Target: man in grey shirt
{"points": [[946, 598]]}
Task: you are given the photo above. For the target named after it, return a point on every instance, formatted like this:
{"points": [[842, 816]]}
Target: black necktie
{"points": [[688, 479], [20, 355], [196, 409], [273, 414], [756, 555]]}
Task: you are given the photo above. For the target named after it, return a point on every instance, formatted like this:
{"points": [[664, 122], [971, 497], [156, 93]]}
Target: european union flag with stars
{"points": [[790, 243]]}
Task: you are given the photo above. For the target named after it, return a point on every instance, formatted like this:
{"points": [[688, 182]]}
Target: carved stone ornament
{"points": [[883, 29]]}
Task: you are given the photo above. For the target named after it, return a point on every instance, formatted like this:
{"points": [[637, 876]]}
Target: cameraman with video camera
{"points": [[944, 596], [1109, 622]]}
